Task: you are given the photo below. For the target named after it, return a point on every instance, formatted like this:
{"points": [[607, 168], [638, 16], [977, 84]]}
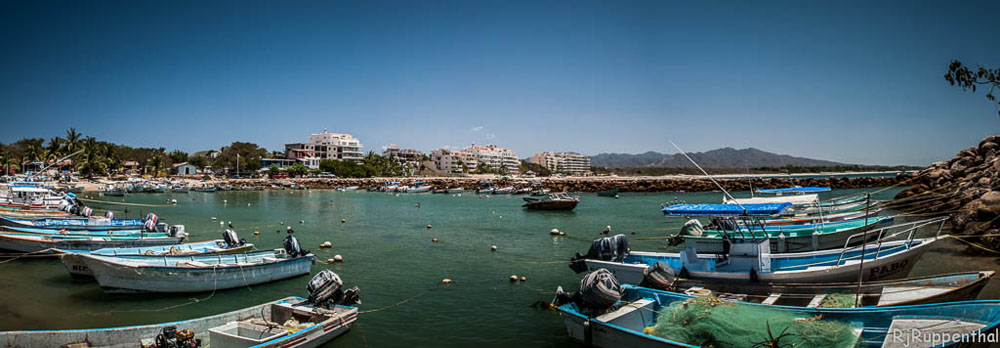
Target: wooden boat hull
{"points": [[944, 288], [73, 223], [340, 321], [551, 204], [116, 278], [75, 265], [33, 244], [885, 267]]}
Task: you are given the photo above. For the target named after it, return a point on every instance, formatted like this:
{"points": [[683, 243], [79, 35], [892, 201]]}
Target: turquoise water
{"points": [[389, 254]]}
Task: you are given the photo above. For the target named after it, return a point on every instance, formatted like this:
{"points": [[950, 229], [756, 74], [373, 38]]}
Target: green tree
{"points": [[297, 169], [178, 156], [959, 74]]}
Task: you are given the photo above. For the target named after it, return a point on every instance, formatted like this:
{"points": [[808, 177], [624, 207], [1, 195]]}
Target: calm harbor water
{"points": [[389, 254]]}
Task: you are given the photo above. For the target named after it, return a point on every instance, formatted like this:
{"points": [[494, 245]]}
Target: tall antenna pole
{"points": [[864, 242], [708, 176]]}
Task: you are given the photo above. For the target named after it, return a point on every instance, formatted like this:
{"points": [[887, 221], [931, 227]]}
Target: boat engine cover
{"points": [[658, 276], [323, 286], [231, 239], [600, 290]]}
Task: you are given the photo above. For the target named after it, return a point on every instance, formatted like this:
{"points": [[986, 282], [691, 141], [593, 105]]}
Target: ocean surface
{"points": [[389, 254]]}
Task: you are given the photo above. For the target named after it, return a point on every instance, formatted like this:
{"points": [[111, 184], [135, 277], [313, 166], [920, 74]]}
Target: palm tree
{"points": [[72, 140]]}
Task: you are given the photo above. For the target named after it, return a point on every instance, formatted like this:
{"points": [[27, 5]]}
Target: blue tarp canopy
{"points": [[761, 209], [796, 190]]}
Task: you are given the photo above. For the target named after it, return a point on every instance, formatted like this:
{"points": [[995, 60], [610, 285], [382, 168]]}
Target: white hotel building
{"points": [[563, 162], [492, 156], [325, 146]]}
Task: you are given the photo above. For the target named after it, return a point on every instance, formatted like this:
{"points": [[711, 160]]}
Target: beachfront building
{"points": [[303, 153], [184, 168], [326, 146], [279, 162], [495, 157], [411, 157], [562, 162], [453, 161]]}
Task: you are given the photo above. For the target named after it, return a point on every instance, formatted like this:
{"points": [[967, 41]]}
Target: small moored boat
{"points": [[194, 273], [292, 322], [556, 201]]}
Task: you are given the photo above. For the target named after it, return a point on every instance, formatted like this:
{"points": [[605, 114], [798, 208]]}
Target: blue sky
{"points": [[851, 81]]}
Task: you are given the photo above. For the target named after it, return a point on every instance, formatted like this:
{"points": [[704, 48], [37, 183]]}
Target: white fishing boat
{"points": [[194, 273], [73, 259]]}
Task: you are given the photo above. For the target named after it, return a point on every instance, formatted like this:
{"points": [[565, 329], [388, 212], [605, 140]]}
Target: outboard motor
{"points": [[152, 217], [599, 291], [177, 231], [149, 226], [692, 228], [325, 287], [292, 247], [170, 337], [74, 209], [613, 249], [108, 214], [658, 276], [86, 212], [231, 239]]}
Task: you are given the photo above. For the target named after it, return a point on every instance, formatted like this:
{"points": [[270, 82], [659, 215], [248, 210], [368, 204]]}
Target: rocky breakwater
{"points": [[966, 187], [582, 184]]}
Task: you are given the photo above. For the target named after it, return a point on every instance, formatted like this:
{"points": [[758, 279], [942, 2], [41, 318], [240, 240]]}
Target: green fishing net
{"points": [[708, 321], [837, 301]]}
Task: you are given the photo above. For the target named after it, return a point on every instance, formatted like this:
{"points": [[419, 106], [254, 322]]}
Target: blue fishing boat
{"points": [[72, 259], [291, 322], [752, 261], [733, 224], [642, 317], [96, 224], [34, 243]]}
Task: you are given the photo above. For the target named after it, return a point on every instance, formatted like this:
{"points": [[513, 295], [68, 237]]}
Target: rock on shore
{"points": [[966, 187]]}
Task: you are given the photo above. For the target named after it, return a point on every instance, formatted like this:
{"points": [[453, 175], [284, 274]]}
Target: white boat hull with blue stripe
{"points": [[180, 274], [247, 327]]}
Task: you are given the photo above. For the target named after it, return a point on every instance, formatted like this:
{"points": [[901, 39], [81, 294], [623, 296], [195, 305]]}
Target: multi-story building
{"points": [[495, 157], [303, 153], [453, 161], [411, 157], [328, 146], [563, 162]]}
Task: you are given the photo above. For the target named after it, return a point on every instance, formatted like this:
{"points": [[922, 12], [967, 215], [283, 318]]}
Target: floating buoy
{"points": [[281, 222], [494, 212], [225, 201], [428, 226], [501, 216], [222, 223], [446, 281], [214, 218], [417, 205], [248, 204], [554, 231], [562, 233], [493, 248], [256, 233], [174, 201], [435, 240], [607, 229], [523, 278], [302, 221], [330, 260], [326, 244], [343, 220], [338, 258], [633, 232], [513, 278]]}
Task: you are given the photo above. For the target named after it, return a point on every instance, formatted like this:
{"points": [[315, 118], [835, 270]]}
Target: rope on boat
{"points": [[408, 299], [191, 301], [99, 201], [39, 253]]}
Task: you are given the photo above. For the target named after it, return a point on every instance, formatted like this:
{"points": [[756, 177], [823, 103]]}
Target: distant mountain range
{"points": [[719, 158]]}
